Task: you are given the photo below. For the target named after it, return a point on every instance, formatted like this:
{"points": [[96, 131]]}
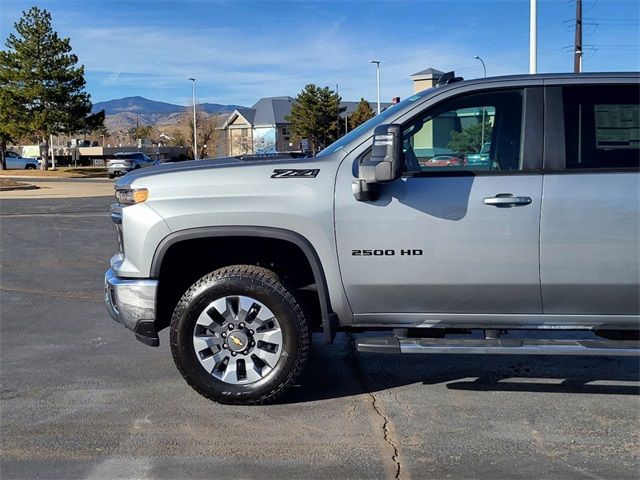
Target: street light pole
{"points": [[484, 68], [377, 62], [195, 137]]}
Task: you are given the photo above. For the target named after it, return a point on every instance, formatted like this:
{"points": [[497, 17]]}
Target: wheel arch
{"points": [[329, 320]]}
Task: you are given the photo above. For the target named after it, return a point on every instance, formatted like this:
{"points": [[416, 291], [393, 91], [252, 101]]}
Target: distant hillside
{"points": [[143, 106], [124, 113]]}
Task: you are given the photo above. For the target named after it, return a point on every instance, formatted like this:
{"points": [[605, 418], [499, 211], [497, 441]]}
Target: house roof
{"points": [[271, 110], [429, 72], [248, 113]]}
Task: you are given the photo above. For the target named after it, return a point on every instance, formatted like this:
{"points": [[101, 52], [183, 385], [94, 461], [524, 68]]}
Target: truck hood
{"points": [[171, 167], [226, 191], [199, 177], [214, 163]]}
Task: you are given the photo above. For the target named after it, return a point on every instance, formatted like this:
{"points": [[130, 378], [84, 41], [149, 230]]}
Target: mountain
{"points": [[126, 112], [142, 106]]}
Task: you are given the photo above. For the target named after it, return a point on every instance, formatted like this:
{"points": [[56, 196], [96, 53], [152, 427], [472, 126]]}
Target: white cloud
{"points": [[235, 66]]}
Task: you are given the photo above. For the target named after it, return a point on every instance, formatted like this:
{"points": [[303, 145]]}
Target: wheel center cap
{"points": [[237, 341]]}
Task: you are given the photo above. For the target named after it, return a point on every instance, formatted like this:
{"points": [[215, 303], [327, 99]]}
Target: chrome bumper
{"points": [[132, 303]]}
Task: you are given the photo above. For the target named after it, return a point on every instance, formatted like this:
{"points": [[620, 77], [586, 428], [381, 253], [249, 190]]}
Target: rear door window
{"points": [[602, 126]]}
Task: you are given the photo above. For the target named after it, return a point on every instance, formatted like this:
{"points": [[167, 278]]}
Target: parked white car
{"points": [[126, 161], [16, 162]]}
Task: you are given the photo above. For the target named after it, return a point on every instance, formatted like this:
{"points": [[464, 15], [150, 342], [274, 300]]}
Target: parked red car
{"points": [[444, 161]]}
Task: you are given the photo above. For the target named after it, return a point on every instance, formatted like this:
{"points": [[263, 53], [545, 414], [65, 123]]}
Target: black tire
{"points": [[264, 286], [111, 175], [29, 166]]}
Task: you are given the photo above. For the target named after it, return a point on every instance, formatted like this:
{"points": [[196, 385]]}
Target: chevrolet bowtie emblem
{"points": [[236, 340]]}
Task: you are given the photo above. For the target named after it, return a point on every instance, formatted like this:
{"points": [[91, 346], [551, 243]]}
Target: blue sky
{"points": [[240, 51]]}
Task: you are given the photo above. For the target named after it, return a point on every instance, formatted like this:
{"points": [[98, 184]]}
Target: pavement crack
{"points": [[386, 430]]}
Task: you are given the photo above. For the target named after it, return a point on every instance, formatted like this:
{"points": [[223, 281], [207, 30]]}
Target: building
{"points": [[264, 127], [259, 129], [425, 79]]}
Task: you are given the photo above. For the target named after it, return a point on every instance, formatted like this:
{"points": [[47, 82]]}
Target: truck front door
{"points": [[458, 235]]}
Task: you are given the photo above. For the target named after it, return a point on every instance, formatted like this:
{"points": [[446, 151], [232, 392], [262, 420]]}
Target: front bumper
{"points": [[118, 171], [132, 303]]}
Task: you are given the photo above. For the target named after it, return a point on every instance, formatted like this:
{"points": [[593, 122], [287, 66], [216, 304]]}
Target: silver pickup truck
{"points": [[243, 260]]}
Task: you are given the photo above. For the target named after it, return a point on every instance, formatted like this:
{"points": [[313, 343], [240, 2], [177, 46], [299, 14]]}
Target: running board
{"points": [[498, 346]]}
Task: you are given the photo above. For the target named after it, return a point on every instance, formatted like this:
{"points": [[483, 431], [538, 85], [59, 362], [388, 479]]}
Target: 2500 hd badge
{"points": [[389, 252]]}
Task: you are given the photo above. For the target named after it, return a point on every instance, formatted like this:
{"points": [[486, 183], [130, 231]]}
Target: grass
{"points": [[60, 172]]}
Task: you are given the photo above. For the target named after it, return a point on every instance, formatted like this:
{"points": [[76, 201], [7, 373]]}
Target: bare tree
{"points": [[209, 135], [142, 132], [242, 144], [263, 144]]}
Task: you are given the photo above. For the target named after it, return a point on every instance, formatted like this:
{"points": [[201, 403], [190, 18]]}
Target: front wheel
{"points": [[240, 336]]}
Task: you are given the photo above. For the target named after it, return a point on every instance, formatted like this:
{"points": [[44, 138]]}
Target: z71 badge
{"points": [[296, 173]]}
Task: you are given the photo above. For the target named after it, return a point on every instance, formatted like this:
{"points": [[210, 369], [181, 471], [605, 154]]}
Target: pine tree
{"points": [[470, 139], [42, 88], [362, 113], [314, 116]]}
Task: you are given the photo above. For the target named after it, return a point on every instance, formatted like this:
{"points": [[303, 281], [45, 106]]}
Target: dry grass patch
{"points": [[60, 172]]}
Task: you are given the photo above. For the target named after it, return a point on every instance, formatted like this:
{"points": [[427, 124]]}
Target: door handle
{"points": [[503, 200]]}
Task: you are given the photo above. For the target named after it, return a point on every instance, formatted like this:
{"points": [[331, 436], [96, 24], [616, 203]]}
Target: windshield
{"points": [[372, 123]]}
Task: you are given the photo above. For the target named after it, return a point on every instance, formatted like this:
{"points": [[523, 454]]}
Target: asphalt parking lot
{"points": [[81, 398]]}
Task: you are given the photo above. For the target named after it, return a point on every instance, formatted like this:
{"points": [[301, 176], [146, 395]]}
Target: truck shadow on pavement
{"points": [[336, 371]]}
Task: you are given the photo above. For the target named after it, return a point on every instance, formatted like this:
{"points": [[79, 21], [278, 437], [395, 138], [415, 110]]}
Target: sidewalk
{"points": [[61, 189]]}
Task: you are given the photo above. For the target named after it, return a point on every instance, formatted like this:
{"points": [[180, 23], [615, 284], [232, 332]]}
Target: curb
{"points": [[22, 187], [51, 177]]}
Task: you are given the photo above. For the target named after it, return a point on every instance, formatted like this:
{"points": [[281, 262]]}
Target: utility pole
{"points": [[377, 62], [195, 137], [577, 55], [338, 111], [53, 153], [533, 36]]}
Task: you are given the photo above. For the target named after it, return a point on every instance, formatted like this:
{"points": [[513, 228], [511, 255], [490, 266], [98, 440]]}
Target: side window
{"points": [[602, 126], [481, 132]]}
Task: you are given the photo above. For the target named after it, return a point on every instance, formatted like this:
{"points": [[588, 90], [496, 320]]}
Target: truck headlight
{"points": [[131, 196]]}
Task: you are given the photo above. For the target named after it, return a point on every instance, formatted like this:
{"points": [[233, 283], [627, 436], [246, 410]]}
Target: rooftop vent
{"points": [[447, 78]]}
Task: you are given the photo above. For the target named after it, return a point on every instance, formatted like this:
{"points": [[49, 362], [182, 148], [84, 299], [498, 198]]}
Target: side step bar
{"points": [[498, 346]]}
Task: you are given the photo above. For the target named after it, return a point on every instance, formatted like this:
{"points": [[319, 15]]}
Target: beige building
{"points": [[425, 79], [263, 128]]}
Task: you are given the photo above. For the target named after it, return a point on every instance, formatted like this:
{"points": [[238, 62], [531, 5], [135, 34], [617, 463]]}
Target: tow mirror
{"points": [[384, 165]]}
